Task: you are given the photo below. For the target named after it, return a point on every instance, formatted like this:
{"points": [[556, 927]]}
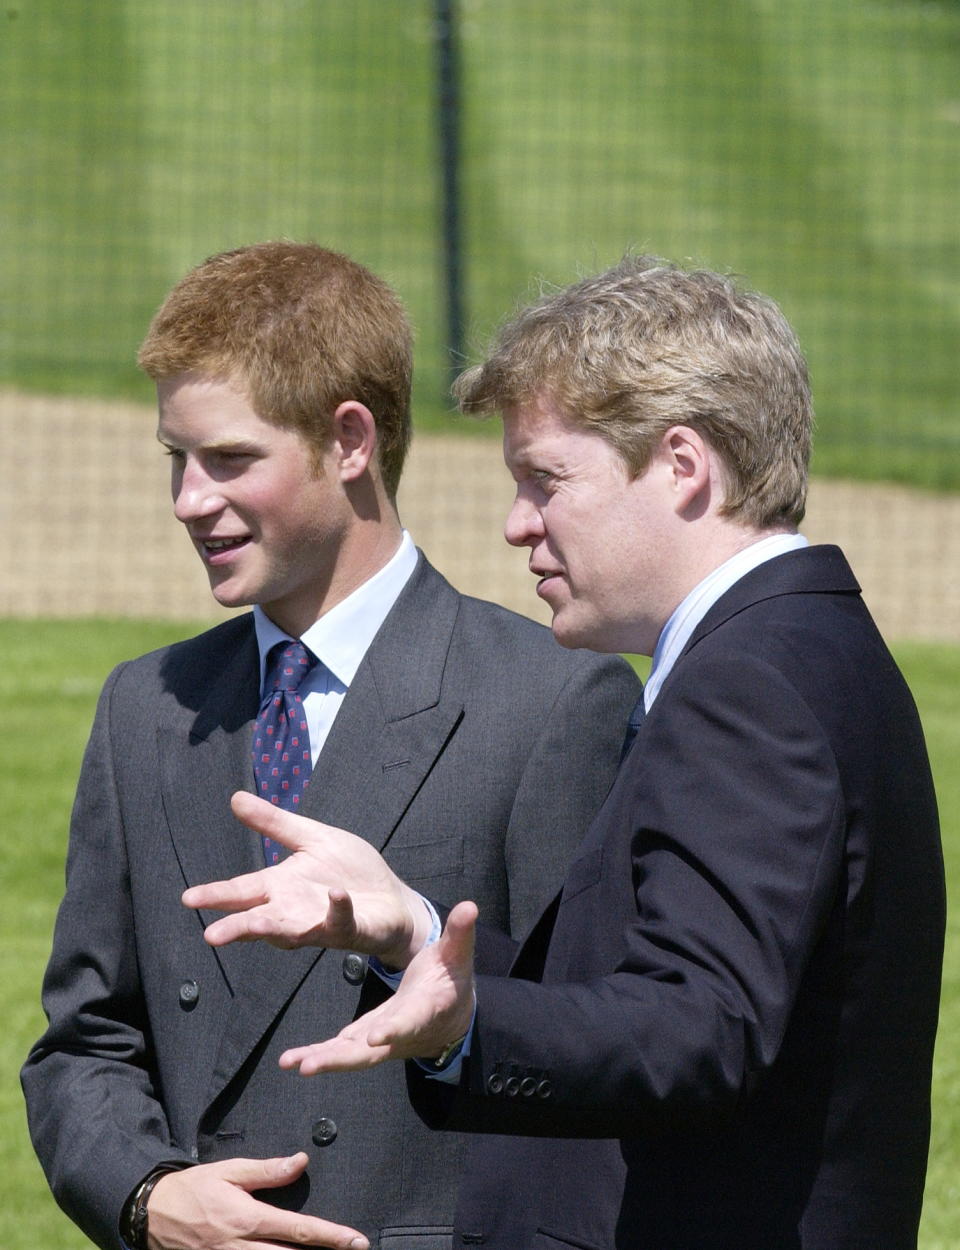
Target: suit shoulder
{"points": [[510, 636], [502, 636], [202, 651]]}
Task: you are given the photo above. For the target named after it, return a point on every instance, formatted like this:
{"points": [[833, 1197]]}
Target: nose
{"points": [[524, 524], [195, 493]]}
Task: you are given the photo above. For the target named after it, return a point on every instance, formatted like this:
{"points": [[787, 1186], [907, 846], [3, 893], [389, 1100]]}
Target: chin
{"points": [[230, 598], [574, 635]]}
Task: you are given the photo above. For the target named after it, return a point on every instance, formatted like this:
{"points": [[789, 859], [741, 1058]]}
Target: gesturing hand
{"points": [[334, 890], [210, 1207], [432, 1008]]}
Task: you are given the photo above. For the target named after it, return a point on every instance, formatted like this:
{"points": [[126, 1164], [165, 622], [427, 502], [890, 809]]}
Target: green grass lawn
{"points": [[812, 146], [52, 671]]}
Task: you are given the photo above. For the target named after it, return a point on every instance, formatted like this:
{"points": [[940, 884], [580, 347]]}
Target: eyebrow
{"points": [[220, 444]]}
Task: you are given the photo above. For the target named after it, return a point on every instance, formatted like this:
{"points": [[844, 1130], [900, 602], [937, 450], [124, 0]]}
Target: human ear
{"points": [[354, 439], [688, 460]]}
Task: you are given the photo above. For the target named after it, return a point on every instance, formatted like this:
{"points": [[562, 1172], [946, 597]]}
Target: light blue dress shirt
{"points": [[690, 611]]}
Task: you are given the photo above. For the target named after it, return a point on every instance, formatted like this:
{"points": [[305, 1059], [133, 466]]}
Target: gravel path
{"points": [[86, 513]]}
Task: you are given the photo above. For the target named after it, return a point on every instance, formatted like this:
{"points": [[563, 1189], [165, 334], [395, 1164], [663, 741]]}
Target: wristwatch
{"points": [[133, 1219]]}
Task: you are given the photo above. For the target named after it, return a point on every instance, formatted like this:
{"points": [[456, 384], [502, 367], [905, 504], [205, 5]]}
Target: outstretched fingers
{"points": [[339, 1054], [432, 1007], [271, 821], [250, 890]]}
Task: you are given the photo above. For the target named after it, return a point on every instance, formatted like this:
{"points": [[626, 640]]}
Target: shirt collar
{"points": [[341, 637], [690, 612]]}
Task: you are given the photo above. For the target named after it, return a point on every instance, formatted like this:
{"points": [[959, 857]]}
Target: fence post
{"points": [[448, 118]]}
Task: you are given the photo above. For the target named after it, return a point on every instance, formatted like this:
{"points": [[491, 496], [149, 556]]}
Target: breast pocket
{"points": [[416, 1238], [440, 857]]}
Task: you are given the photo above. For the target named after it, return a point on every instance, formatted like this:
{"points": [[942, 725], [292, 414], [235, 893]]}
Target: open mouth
{"points": [[215, 549]]}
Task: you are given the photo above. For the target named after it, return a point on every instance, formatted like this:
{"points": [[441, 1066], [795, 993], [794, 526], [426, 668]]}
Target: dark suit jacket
{"points": [[470, 748], [740, 978]]}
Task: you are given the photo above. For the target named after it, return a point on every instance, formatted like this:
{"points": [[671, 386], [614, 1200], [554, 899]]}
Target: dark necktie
{"points": [[281, 739], [633, 724]]}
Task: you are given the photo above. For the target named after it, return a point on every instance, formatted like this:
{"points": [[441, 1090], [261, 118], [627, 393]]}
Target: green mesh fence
{"points": [[811, 145]]}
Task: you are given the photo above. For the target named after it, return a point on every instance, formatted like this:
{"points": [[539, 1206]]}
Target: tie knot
{"points": [[287, 665]]}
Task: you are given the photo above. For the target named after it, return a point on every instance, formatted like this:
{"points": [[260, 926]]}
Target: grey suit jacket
{"points": [[470, 749]]}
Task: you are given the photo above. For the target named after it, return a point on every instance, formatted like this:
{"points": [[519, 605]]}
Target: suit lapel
{"points": [[204, 758], [810, 570], [395, 719]]}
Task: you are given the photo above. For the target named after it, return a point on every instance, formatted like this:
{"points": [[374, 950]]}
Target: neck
{"points": [[723, 541], [364, 549]]}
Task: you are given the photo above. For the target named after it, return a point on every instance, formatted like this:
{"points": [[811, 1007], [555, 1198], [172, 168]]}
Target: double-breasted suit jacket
{"points": [[470, 749], [739, 982]]}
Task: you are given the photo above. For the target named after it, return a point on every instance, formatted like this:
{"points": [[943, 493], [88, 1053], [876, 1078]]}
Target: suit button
{"points": [[324, 1131], [354, 968], [528, 1086], [512, 1087], [544, 1089], [189, 995], [495, 1084]]}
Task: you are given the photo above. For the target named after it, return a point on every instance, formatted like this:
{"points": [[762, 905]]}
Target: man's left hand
{"points": [[432, 1008]]}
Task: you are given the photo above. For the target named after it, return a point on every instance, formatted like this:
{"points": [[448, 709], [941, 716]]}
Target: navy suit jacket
{"points": [[732, 1004], [470, 749]]}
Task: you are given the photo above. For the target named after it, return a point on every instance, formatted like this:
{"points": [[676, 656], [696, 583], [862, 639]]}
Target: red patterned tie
{"points": [[281, 739]]}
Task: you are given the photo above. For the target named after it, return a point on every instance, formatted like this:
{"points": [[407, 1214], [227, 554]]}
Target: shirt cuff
{"points": [[449, 1073], [393, 976]]}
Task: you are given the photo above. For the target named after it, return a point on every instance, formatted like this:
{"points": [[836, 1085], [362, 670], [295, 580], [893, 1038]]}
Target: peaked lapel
{"points": [[395, 719], [204, 754]]}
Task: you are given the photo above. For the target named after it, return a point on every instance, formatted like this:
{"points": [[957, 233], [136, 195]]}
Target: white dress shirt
{"points": [[340, 640]]}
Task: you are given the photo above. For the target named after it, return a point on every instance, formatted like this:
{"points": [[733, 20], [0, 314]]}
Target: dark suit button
{"points": [[544, 1089], [495, 1084], [354, 968], [528, 1086], [512, 1087], [189, 995], [324, 1131]]}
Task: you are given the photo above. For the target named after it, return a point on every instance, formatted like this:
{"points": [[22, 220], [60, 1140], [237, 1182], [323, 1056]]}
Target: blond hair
{"points": [[648, 345]]}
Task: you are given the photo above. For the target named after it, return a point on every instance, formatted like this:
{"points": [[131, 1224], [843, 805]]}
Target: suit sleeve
{"points": [[95, 1119], [567, 774], [706, 883]]}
